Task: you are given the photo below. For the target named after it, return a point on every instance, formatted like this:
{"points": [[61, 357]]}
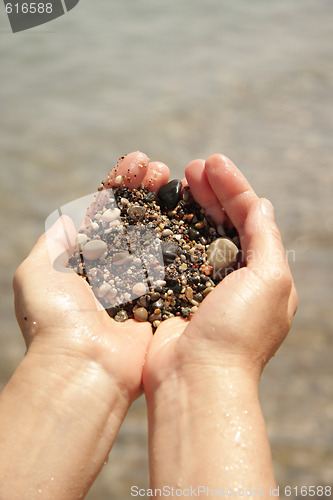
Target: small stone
{"points": [[193, 233], [158, 304], [197, 298], [110, 215], [156, 323], [220, 230], [169, 194], [169, 251], [221, 254], [207, 290], [201, 224], [185, 312], [121, 316], [141, 314], [149, 197], [118, 179], [160, 283], [186, 194], [112, 311], [136, 212], [94, 249], [189, 293], [155, 296], [183, 267], [103, 290], [121, 258], [144, 300], [167, 232], [139, 289]]}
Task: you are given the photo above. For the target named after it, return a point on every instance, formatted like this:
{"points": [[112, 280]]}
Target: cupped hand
{"points": [[57, 310], [243, 321]]}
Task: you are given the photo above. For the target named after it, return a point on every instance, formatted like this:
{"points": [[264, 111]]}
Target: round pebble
{"points": [[121, 316], [221, 253], [94, 249], [169, 194], [167, 232], [121, 258], [141, 314], [169, 251], [110, 215], [136, 212], [104, 289], [139, 289]]}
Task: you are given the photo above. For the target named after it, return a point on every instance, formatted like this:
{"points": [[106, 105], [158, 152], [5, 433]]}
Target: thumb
{"points": [[261, 241], [57, 244]]}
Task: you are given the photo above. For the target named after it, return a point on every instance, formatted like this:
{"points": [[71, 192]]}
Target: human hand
{"points": [[57, 309], [243, 321], [201, 377]]}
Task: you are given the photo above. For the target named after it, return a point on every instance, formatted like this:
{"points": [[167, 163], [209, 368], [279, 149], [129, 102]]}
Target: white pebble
{"points": [[110, 215], [94, 249], [118, 179], [104, 290], [139, 289], [160, 283], [167, 232]]}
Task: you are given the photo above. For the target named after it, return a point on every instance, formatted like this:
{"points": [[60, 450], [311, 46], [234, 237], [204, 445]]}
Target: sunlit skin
{"points": [[67, 399]]}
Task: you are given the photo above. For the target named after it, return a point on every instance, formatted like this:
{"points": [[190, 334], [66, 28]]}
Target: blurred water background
{"points": [[180, 80]]}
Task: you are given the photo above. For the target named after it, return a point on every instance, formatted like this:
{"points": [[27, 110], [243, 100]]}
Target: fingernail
{"points": [[267, 208]]}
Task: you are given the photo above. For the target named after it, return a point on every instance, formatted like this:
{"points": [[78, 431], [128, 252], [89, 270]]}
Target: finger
{"points": [[157, 175], [129, 171], [230, 187], [202, 191], [262, 245]]}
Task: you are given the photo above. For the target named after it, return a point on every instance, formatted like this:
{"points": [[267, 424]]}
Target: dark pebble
{"points": [[112, 311], [186, 311], [198, 297], [121, 316], [155, 296], [169, 251], [159, 304], [171, 283], [158, 289], [177, 288], [149, 197], [193, 234], [169, 194]]}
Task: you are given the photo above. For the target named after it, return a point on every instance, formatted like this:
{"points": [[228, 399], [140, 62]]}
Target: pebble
{"points": [[136, 212], [110, 215], [167, 232], [159, 304], [155, 296], [121, 316], [139, 289], [104, 290], [169, 194], [156, 323], [189, 293], [141, 314], [118, 179], [169, 251], [221, 253], [207, 290], [121, 258], [193, 233], [220, 230], [160, 283], [94, 249]]}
